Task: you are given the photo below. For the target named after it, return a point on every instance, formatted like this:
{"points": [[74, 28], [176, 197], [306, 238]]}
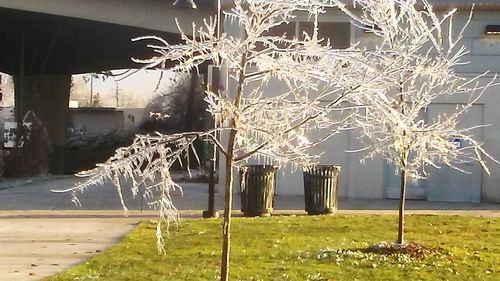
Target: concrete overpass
{"points": [[74, 36], [44, 42]]}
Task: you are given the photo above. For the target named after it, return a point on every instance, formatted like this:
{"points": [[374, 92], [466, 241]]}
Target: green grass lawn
{"points": [[303, 248]]}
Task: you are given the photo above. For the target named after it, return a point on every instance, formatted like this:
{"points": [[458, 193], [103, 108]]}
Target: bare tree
{"points": [[177, 107], [31, 158], [415, 60], [412, 66], [316, 79]]}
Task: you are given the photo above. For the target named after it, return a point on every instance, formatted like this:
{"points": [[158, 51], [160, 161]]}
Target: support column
{"points": [[48, 97]]}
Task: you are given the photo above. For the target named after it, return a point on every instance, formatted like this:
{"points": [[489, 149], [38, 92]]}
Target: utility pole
{"points": [[117, 90], [214, 85], [91, 89]]}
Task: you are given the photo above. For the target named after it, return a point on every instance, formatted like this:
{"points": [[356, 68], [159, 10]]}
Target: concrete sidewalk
{"points": [[32, 248], [37, 195], [42, 233]]}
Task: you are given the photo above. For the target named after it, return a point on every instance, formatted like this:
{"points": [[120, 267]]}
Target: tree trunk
{"points": [[403, 159], [226, 226], [402, 198], [228, 202]]}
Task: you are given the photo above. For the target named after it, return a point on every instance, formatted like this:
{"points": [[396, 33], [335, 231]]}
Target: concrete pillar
{"points": [[48, 97]]}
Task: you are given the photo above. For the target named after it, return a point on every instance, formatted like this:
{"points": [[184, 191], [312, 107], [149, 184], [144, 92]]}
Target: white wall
{"points": [[97, 122], [369, 180]]}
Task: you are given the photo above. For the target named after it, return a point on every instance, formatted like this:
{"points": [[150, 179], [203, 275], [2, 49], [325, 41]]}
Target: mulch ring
{"points": [[412, 249]]}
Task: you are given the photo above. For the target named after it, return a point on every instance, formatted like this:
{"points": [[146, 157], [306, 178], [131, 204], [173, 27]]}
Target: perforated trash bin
{"points": [[257, 186], [320, 189]]}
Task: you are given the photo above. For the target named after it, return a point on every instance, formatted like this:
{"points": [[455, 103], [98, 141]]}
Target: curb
{"points": [[190, 214]]}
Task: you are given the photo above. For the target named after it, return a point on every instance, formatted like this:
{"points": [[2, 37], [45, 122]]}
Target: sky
{"points": [[134, 88]]}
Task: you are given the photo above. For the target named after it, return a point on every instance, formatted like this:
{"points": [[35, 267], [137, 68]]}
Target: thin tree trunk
{"points": [[226, 226], [403, 158], [402, 198]]}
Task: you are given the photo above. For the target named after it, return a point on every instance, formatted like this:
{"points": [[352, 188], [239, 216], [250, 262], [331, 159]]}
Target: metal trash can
{"points": [[320, 189], [257, 186]]}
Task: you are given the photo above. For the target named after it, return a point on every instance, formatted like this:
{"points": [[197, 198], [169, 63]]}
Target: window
{"points": [[287, 29], [338, 33], [493, 30]]}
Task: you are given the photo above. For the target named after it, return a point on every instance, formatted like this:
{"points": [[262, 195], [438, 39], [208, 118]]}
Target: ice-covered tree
{"points": [[416, 57], [316, 79], [412, 66]]}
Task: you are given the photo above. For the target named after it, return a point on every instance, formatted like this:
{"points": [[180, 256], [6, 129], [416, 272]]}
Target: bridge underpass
{"points": [[42, 44]]}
